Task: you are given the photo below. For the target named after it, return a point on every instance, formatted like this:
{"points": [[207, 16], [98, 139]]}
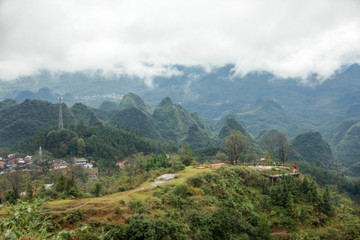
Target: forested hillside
{"points": [[19, 121], [104, 144], [314, 149], [229, 203]]}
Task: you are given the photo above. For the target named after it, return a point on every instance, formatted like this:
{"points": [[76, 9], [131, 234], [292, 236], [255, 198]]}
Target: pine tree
{"points": [[326, 205], [290, 204], [61, 183], [29, 191]]}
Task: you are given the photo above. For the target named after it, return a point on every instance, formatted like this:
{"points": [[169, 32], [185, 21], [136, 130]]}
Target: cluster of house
{"points": [[13, 162], [82, 162]]}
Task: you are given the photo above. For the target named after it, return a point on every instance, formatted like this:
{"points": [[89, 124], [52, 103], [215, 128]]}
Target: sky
{"points": [[146, 38]]}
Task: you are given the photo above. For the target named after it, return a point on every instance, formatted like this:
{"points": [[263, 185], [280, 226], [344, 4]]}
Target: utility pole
{"points": [[61, 126], [40, 154]]}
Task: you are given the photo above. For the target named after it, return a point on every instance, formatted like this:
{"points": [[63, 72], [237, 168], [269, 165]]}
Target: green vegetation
{"points": [[168, 122], [313, 147], [83, 114], [276, 146], [132, 100], [232, 202], [7, 103], [348, 149], [26, 119], [231, 125], [98, 142], [135, 120], [237, 146], [229, 203]]}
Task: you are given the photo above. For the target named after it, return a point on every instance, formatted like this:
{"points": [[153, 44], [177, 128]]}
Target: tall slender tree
{"points": [[236, 146], [274, 142]]}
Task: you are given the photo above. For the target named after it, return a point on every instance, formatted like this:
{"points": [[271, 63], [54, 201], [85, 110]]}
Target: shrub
{"points": [[195, 181], [116, 231], [138, 206], [26, 220], [142, 227], [97, 189], [10, 197], [117, 210], [178, 166], [75, 216], [75, 192]]}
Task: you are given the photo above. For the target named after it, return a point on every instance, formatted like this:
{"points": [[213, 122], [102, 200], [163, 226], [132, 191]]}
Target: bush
{"points": [[97, 189], [142, 227], [26, 220], [10, 197], [178, 166], [182, 190], [117, 210], [74, 192], [116, 231], [195, 181], [75, 216], [138, 206]]}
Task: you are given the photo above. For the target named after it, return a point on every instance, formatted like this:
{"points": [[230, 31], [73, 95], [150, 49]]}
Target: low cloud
{"points": [[145, 38]]}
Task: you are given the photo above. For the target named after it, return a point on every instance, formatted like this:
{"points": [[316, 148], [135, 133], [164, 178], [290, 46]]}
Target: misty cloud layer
{"points": [[145, 38]]}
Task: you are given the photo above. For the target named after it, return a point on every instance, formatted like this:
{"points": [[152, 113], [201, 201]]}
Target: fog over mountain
{"points": [[307, 40]]}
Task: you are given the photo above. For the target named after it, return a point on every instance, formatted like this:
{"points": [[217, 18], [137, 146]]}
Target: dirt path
{"points": [[136, 190], [71, 209]]}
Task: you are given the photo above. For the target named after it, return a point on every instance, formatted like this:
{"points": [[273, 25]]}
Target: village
{"points": [[26, 164]]}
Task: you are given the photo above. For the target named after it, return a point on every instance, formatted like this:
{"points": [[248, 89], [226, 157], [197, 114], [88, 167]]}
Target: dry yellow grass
{"points": [[109, 202]]}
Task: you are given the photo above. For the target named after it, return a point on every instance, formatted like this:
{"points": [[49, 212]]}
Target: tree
{"points": [[283, 146], [63, 149], [80, 147], [186, 155], [29, 191], [275, 141], [326, 204], [10, 197], [236, 146], [97, 190], [61, 183], [14, 179]]}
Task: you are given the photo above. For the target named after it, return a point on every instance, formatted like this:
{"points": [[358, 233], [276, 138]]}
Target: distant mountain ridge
{"points": [[168, 121], [212, 93]]}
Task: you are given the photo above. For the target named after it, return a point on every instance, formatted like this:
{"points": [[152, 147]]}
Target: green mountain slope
{"points": [[132, 100], [108, 106], [230, 126], [313, 147], [339, 132], [134, 119], [171, 120], [268, 114], [7, 103], [25, 119], [197, 138], [198, 121], [103, 143], [106, 110], [83, 114], [348, 149]]}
